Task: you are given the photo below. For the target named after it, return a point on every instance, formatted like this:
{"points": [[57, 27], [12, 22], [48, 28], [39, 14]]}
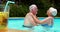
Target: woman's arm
{"points": [[32, 20], [45, 20], [40, 22], [35, 18]]}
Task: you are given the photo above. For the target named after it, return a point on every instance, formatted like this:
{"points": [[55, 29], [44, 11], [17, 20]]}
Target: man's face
{"points": [[34, 10]]}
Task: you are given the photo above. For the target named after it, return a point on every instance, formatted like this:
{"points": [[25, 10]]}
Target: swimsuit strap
{"points": [[27, 26]]}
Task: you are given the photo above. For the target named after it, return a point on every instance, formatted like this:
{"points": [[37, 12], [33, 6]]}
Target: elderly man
{"points": [[29, 21]]}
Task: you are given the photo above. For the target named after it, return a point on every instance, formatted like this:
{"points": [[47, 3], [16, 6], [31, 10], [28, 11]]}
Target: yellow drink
{"points": [[3, 21], [3, 18]]}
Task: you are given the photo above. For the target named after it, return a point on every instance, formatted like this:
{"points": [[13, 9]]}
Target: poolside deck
{"points": [[13, 30]]}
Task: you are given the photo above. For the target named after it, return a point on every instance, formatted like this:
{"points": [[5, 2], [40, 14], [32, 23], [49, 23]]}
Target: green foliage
{"points": [[18, 11], [22, 9]]}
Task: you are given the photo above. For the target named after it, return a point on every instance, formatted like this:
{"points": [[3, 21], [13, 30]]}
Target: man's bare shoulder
{"points": [[29, 14]]}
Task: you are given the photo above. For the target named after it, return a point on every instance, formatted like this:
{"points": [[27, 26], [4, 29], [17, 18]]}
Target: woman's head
{"points": [[52, 11]]}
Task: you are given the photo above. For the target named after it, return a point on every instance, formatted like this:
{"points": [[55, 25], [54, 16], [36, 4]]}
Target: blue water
{"points": [[16, 23]]}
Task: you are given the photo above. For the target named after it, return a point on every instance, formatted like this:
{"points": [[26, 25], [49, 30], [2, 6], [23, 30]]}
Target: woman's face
{"points": [[48, 13]]}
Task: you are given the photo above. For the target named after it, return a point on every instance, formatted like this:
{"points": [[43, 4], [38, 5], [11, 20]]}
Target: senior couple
{"points": [[32, 20]]}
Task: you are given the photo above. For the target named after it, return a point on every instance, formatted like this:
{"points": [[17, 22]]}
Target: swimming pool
{"points": [[16, 23]]}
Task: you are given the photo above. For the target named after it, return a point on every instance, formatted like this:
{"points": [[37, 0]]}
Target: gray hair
{"points": [[32, 7], [53, 11]]}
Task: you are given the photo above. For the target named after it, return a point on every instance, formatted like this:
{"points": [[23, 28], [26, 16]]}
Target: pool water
{"points": [[16, 23]]}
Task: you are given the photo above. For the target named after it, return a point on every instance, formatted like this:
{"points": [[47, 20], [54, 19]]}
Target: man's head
{"points": [[33, 9], [52, 11]]}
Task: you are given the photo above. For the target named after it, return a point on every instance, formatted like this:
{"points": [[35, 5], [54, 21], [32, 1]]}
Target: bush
{"points": [[23, 8]]}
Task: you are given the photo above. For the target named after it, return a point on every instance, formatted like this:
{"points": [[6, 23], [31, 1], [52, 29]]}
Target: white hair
{"points": [[53, 11], [32, 7]]}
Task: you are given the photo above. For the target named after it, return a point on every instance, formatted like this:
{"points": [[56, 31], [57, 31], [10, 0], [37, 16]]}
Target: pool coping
{"points": [[38, 17], [22, 18]]}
